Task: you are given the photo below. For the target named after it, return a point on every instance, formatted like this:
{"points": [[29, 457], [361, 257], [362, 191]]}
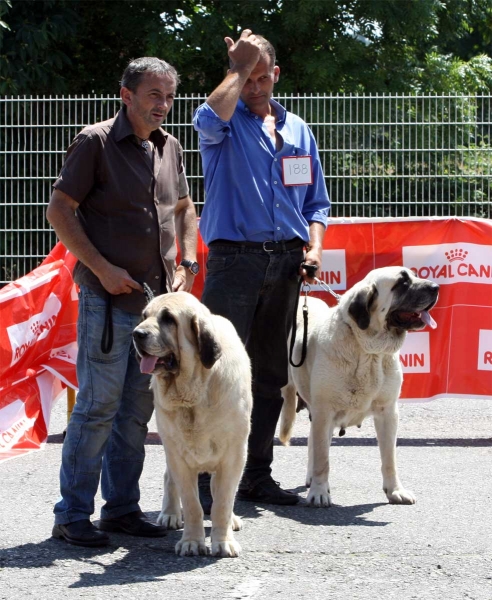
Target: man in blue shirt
{"points": [[265, 214]]}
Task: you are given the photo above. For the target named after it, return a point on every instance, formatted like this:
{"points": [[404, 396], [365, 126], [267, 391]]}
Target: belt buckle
{"points": [[265, 249]]}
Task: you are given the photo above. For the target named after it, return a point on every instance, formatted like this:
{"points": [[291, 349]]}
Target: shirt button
{"points": [[275, 182], [275, 159], [278, 228], [256, 117], [277, 205], [148, 230], [156, 277]]}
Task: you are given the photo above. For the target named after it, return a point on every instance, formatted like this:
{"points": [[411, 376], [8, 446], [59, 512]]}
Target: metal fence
{"points": [[383, 155]]}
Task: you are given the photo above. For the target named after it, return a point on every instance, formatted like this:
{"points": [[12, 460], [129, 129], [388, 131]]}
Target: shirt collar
{"points": [[123, 128], [279, 109]]}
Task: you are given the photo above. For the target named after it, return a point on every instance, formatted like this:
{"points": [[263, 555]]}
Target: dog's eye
{"points": [[403, 281], [166, 318]]}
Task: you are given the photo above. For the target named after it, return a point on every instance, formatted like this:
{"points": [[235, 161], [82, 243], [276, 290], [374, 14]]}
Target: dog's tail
{"points": [[288, 414]]}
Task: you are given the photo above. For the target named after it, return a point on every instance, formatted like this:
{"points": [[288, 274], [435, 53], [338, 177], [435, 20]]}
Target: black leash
{"points": [[107, 335], [311, 271]]}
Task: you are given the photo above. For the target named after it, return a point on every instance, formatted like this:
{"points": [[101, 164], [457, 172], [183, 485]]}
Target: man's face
{"points": [[150, 104], [258, 89]]}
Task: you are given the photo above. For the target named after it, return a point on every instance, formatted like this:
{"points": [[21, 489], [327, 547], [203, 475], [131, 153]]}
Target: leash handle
{"points": [[107, 334], [294, 329]]}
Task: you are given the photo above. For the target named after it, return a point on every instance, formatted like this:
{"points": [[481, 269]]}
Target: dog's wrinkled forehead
{"points": [[168, 305]]}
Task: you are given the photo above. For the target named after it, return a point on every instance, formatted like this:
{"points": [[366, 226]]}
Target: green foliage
{"points": [[328, 46], [35, 45]]}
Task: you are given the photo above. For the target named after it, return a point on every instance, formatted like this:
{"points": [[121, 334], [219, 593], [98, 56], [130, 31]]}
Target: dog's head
{"points": [[392, 299], [175, 327]]}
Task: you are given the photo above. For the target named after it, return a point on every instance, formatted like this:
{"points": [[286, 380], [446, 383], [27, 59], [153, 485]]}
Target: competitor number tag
{"points": [[297, 170]]}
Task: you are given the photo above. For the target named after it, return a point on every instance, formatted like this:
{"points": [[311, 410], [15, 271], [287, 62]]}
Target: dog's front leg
{"points": [[318, 457], [386, 425], [170, 515], [192, 542], [224, 485]]}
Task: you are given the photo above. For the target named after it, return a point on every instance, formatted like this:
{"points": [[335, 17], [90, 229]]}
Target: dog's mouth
{"points": [[150, 364], [413, 319]]}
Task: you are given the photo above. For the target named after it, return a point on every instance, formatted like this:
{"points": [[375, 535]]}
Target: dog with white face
{"points": [[201, 379], [352, 370]]}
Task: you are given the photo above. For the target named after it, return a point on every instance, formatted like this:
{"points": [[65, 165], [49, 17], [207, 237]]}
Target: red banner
{"points": [[38, 316]]}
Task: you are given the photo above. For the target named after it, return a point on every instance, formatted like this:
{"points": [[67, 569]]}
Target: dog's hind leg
{"points": [[170, 515], [386, 425], [320, 436]]}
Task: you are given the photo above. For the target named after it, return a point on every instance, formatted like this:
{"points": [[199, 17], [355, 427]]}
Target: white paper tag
{"points": [[297, 170]]}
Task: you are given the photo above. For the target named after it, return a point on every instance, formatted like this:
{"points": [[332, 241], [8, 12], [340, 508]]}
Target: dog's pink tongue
{"points": [[147, 364], [427, 319]]}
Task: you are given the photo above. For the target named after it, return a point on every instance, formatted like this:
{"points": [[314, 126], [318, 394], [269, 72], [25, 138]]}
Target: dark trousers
{"points": [[256, 291]]}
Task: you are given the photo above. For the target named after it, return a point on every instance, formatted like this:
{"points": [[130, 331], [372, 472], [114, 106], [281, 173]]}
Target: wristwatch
{"points": [[194, 267]]}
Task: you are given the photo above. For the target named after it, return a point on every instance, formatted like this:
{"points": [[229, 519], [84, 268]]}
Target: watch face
{"points": [[194, 268]]}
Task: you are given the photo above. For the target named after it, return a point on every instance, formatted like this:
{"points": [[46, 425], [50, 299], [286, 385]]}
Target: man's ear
{"points": [[276, 73], [126, 96]]}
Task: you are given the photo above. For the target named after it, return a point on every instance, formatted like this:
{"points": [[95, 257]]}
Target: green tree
{"points": [[329, 46]]}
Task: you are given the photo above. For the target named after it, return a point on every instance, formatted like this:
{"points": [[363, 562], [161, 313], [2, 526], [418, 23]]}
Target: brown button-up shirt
{"points": [[126, 204]]}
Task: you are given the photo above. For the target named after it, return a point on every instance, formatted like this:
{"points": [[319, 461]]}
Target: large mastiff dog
{"points": [[201, 381], [352, 370]]}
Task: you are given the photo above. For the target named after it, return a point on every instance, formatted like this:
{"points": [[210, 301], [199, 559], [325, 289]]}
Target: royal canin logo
{"points": [[458, 254], [447, 263]]}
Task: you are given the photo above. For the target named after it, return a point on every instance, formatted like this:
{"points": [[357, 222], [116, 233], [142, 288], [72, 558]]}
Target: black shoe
{"points": [[204, 493], [134, 523], [80, 533], [265, 490]]}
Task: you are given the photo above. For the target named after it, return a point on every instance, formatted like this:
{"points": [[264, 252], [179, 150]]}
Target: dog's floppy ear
{"points": [[208, 347], [359, 308]]}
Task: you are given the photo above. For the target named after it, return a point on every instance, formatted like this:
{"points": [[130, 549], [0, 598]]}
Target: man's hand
{"points": [[313, 257], [245, 53], [117, 281], [183, 280]]}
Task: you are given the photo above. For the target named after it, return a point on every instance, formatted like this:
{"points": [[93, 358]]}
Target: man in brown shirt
{"points": [[119, 203]]}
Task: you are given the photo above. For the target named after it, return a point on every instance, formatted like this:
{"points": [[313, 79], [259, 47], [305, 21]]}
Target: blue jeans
{"points": [[257, 290], [107, 430]]}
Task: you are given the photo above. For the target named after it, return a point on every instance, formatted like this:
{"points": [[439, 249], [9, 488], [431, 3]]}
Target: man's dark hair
{"points": [[137, 68], [267, 49]]}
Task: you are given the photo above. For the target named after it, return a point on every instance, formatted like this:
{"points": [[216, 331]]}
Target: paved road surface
{"points": [[439, 549]]}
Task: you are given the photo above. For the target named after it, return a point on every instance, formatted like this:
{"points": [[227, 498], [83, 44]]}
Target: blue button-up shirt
{"points": [[245, 196]]}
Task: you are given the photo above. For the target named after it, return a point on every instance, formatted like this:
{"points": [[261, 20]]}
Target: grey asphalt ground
{"points": [[362, 547]]}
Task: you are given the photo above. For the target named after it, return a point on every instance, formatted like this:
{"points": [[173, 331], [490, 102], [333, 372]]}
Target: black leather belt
{"points": [[267, 246]]}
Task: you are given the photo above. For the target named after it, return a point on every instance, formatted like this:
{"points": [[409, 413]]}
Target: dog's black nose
{"points": [[139, 334]]}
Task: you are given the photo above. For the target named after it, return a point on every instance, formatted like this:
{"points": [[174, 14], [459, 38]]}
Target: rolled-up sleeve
{"points": [[211, 128], [316, 203]]}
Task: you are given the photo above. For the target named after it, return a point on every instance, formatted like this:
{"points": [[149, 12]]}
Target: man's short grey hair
{"points": [[139, 67]]}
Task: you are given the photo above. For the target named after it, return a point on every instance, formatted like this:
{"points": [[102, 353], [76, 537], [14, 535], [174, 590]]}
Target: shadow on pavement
{"points": [[126, 560], [339, 516]]}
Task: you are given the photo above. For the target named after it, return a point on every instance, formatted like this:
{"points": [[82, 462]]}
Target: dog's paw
{"points": [[170, 521], [236, 523], [226, 549], [400, 496], [318, 497], [191, 548]]}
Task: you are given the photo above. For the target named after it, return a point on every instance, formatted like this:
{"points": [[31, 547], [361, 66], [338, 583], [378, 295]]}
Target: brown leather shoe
{"points": [[134, 523], [80, 533]]}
